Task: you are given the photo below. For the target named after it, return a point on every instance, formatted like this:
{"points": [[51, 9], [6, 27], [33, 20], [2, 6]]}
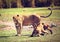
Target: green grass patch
{"points": [[9, 36], [7, 14], [2, 26]]}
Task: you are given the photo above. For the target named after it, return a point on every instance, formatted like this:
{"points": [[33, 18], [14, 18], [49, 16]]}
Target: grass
{"points": [[26, 11], [9, 35], [2, 26]]}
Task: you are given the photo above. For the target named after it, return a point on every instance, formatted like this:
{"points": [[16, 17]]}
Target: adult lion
{"points": [[33, 20]]}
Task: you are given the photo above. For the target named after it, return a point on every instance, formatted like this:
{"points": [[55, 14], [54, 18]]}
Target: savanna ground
{"points": [[8, 31]]}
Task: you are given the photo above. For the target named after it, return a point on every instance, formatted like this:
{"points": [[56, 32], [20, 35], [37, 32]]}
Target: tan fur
{"points": [[18, 24], [40, 29]]}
